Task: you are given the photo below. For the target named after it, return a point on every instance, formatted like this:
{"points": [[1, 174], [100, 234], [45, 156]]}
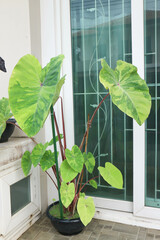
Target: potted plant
{"points": [[6, 127], [33, 91]]}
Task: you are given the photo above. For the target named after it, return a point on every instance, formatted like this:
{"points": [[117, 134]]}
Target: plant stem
{"points": [[59, 138], [88, 125], [22, 131], [90, 122], [77, 195], [51, 179], [56, 160], [86, 183], [64, 132]]}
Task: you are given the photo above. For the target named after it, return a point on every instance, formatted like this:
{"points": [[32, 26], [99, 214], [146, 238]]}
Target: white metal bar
{"points": [[137, 17]]}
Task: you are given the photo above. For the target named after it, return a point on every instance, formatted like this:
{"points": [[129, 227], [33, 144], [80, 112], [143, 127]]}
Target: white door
{"points": [[119, 29]]}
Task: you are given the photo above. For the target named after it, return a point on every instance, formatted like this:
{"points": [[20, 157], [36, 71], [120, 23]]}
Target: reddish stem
{"points": [[77, 195], [51, 179], [22, 131], [88, 125], [86, 183], [90, 122], [64, 132]]}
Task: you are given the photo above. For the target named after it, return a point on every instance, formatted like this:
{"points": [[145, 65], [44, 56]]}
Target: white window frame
{"points": [[139, 208], [9, 224]]}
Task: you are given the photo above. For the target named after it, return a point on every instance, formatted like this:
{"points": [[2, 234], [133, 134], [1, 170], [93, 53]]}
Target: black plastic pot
{"points": [[8, 131], [65, 226]]}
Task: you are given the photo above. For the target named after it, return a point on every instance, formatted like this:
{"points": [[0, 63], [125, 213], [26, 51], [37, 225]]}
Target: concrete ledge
{"points": [[14, 149]]}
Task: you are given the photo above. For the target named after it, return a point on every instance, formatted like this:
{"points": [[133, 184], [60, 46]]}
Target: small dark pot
{"points": [[8, 131], [65, 226]]}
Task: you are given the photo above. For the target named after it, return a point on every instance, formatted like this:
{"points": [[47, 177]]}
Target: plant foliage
{"points": [[32, 92]]}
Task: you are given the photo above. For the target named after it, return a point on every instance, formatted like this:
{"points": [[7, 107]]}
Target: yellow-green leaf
{"points": [[89, 161], [128, 91], [48, 160], [75, 158], [86, 209], [32, 90], [67, 193], [93, 183], [26, 163], [67, 173], [112, 175]]}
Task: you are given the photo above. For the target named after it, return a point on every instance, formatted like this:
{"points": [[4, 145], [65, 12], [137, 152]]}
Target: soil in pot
{"points": [[69, 225], [8, 131]]}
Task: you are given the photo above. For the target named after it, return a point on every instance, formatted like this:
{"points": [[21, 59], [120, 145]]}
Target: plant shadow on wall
{"points": [[33, 91]]}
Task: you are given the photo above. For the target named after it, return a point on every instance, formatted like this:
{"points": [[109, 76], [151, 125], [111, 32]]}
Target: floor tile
{"points": [[31, 233], [44, 236], [96, 230], [124, 236], [109, 236], [125, 228]]}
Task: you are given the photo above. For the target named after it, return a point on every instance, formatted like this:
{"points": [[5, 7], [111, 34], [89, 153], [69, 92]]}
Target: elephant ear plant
{"points": [[33, 91]]}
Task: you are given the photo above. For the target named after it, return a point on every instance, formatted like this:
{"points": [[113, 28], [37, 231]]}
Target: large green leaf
{"points": [[128, 91], [32, 90], [67, 173], [112, 175], [48, 160], [86, 209], [67, 193], [26, 163], [89, 161], [75, 158], [4, 114]]}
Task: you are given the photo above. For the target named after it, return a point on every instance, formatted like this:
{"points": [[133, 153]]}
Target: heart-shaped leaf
{"points": [[89, 161], [26, 163], [67, 193], [4, 114], [75, 158], [93, 183], [48, 160], [112, 175], [128, 91], [86, 209], [32, 90], [67, 173], [38, 152]]}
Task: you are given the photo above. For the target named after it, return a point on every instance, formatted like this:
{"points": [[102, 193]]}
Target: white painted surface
{"points": [[14, 38], [127, 218], [11, 173], [139, 132]]}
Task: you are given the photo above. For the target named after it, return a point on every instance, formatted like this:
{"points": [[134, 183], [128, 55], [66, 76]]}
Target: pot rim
{"points": [[58, 219], [13, 120]]}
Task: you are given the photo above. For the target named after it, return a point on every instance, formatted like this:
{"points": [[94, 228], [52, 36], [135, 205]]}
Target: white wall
{"points": [[20, 34], [14, 36]]}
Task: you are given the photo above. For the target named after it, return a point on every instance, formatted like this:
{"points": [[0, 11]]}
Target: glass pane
{"points": [[152, 63], [102, 29], [20, 195]]}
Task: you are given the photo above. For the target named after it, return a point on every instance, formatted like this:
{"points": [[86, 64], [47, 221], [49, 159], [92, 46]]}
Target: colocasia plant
{"points": [[34, 90]]}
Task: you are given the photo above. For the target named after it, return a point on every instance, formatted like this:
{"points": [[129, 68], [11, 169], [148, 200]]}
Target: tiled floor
{"points": [[96, 230]]}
